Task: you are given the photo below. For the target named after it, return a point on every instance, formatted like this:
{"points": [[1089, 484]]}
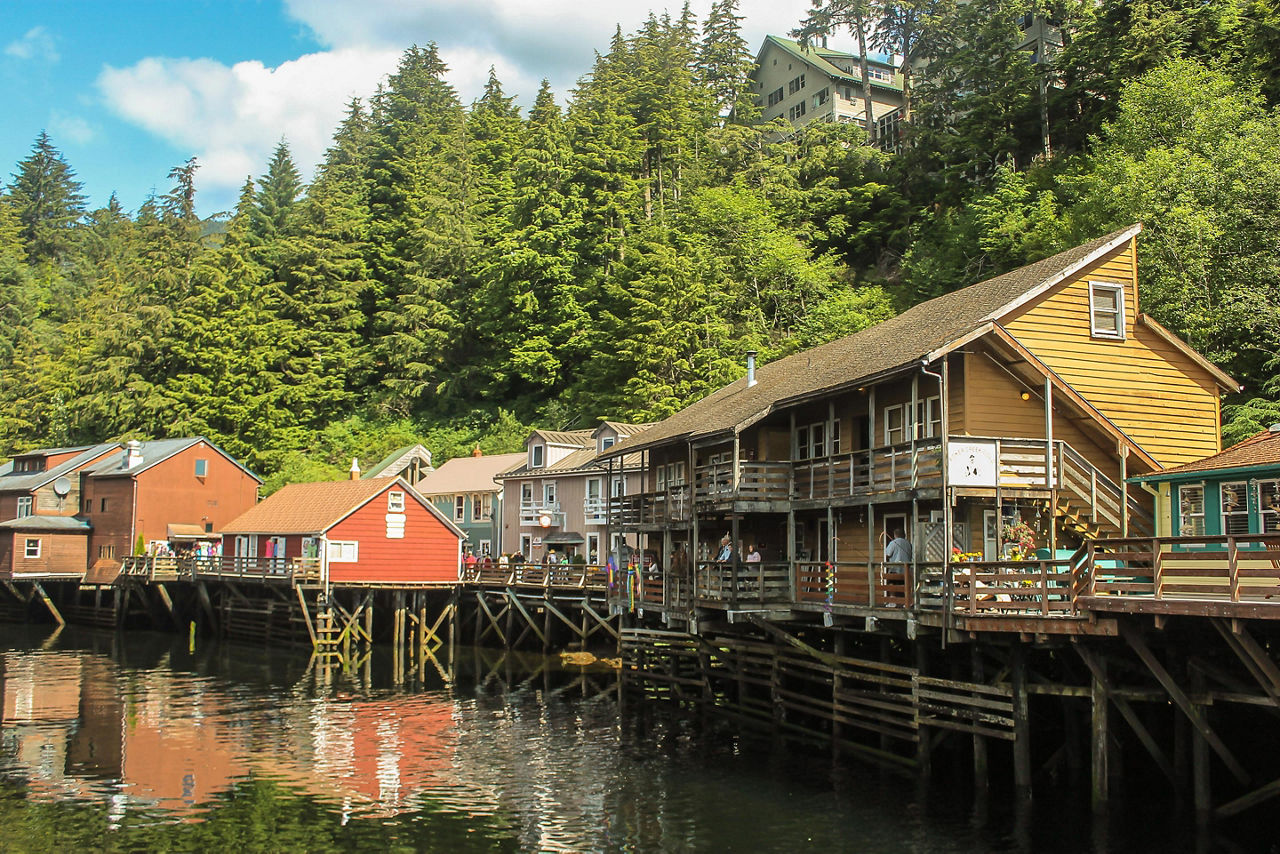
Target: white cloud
{"points": [[231, 117], [72, 127], [36, 43]]}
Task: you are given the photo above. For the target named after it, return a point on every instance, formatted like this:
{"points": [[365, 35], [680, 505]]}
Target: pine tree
{"points": [[725, 63], [46, 198], [278, 191]]}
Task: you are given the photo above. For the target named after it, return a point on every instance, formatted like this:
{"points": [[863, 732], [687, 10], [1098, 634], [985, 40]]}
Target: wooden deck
{"points": [[1204, 576]]}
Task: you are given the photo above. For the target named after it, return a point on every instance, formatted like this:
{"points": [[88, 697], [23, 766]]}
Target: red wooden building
{"points": [[64, 509], [360, 532]]}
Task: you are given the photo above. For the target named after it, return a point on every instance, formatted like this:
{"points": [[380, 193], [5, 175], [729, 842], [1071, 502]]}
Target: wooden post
{"points": [[1124, 490], [981, 774], [1050, 480], [733, 564], [1200, 771], [923, 752], [1100, 734], [1021, 722]]}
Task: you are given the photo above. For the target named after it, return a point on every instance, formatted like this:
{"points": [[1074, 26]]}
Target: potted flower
{"points": [[1019, 540]]}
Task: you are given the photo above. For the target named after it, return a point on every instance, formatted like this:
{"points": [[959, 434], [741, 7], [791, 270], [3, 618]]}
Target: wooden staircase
{"points": [[1091, 505]]}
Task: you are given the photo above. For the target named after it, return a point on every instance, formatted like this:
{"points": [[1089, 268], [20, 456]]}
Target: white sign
{"points": [[971, 463], [537, 541]]}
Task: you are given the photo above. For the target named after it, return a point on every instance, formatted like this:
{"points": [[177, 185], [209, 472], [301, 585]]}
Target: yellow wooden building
{"points": [[1000, 419]]}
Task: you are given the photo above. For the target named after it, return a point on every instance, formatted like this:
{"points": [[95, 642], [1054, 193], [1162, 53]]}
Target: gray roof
{"points": [[154, 452], [30, 481], [393, 463], [48, 523], [882, 350]]}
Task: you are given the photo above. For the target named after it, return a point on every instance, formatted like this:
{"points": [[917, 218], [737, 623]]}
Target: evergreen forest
{"points": [[456, 273]]}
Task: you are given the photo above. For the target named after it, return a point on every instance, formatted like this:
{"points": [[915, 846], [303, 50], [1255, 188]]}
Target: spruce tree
{"points": [[46, 198]]}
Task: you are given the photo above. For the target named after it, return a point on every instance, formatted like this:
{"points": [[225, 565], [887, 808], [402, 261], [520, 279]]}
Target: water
{"points": [[113, 744]]}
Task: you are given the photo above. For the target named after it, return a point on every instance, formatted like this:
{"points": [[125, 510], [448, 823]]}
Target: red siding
{"points": [[170, 493], [427, 553], [60, 553]]}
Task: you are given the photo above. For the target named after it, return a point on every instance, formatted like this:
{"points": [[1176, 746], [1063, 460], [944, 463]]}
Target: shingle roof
{"points": [[48, 523], [306, 508], [1261, 449], [28, 481], [623, 429], [883, 349], [468, 474], [821, 58], [400, 456], [154, 452], [572, 438]]}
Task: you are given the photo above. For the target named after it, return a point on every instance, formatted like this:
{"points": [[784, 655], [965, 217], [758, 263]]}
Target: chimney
{"points": [[355, 469], [476, 452], [132, 453], [751, 368]]}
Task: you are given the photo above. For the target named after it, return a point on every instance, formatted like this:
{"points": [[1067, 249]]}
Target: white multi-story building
{"points": [[817, 84]]}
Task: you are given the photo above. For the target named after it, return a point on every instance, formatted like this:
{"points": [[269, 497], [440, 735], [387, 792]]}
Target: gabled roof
{"points": [[824, 60], [154, 452], [393, 463], [29, 481], [314, 508], [1259, 450], [566, 438], [920, 334], [468, 474], [622, 429]]}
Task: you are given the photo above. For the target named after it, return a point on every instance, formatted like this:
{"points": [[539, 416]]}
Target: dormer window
{"points": [[607, 442], [29, 464], [536, 456], [1106, 310]]}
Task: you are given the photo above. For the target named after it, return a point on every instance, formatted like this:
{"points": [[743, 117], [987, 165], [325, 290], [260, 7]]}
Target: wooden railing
{"points": [[565, 576], [171, 568], [874, 585], [1106, 499], [749, 585], [757, 481], [1244, 568], [667, 506], [894, 468], [1022, 588]]}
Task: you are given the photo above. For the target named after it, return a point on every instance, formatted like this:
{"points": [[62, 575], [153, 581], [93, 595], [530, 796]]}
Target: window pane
{"points": [[1269, 505], [1191, 511], [1235, 509]]}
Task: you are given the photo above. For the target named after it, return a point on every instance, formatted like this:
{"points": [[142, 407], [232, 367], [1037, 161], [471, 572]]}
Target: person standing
{"points": [[753, 554], [898, 550]]}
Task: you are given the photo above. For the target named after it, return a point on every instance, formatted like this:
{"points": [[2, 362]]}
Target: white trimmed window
{"points": [[343, 552], [31, 548], [1106, 310], [25, 505], [459, 508], [202, 468], [1269, 506], [536, 456], [1235, 508], [395, 502], [606, 442], [1191, 510]]}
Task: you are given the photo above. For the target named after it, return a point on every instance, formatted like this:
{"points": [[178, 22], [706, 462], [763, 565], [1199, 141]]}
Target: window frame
{"points": [[1240, 511], [395, 501], [1269, 512], [25, 503], [28, 553], [342, 551], [1184, 517], [459, 508], [202, 468], [1119, 312], [537, 456]]}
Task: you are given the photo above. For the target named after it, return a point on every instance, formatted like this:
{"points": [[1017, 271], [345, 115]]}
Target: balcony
{"points": [[532, 511], [893, 468], [669, 506]]}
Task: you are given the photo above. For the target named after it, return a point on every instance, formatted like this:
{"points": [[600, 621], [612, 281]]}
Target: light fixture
{"points": [[1026, 395], [545, 520]]}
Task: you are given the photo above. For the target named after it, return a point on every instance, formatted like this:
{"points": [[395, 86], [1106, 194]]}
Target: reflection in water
{"points": [[139, 745]]}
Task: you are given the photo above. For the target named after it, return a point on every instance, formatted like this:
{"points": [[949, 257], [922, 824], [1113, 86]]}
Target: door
{"points": [[990, 535], [892, 522], [275, 551]]}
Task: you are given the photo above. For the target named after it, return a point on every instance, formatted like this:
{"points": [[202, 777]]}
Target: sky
{"points": [[128, 89]]}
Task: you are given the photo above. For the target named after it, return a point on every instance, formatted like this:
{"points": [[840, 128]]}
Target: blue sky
{"points": [[129, 89]]}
